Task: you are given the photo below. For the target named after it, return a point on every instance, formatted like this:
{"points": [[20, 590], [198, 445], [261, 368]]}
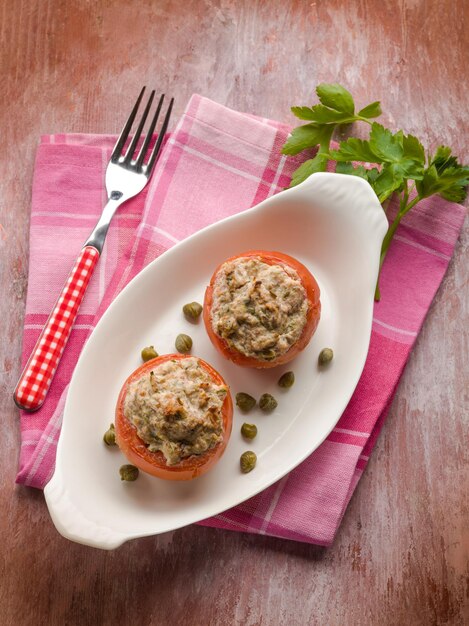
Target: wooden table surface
{"points": [[401, 555]]}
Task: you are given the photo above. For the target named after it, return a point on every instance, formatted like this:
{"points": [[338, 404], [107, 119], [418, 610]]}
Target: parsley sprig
{"points": [[400, 165]]}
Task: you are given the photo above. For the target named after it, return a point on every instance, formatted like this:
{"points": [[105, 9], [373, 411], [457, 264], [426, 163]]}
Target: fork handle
{"points": [[39, 371]]}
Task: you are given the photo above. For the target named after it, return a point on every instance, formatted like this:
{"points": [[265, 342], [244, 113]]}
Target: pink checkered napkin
{"points": [[216, 163]]}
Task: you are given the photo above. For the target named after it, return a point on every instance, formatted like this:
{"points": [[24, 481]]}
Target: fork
{"points": [[126, 176]]}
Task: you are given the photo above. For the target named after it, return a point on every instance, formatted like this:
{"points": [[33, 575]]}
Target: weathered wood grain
{"points": [[402, 553]]}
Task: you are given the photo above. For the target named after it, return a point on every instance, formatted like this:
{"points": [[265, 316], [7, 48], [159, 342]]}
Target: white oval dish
{"points": [[332, 223]]}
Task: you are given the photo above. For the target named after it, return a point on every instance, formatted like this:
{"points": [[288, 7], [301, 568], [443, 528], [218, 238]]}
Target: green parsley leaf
{"points": [[384, 144], [450, 184], [307, 136], [445, 177], [392, 150], [345, 167], [443, 159], [355, 150], [388, 180], [454, 175], [413, 149], [428, 182], [457, 193], [303, 137], [336, 97], [372, 110], [410, 169], [372, 174], [303, 113], [442, 153], [325, 115], [318, 164]]}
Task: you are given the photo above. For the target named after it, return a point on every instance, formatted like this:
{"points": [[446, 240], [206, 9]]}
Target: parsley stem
{"points": [[404, 207], [363, 119], [411, 205], [405, 197]]}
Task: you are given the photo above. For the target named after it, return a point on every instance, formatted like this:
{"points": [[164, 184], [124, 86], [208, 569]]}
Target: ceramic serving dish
{"points": [[332, 223]]}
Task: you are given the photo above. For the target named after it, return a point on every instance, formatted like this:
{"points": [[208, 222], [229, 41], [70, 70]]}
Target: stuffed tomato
{"points": [[261, 308], [174, 417]]}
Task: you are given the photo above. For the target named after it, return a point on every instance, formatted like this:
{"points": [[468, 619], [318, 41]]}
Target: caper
{"points": [[128, 472], [109, 436], [192, 310], [245, 402], [183, 343], [247, 461], [286, 380], [325, 356], [148, 353], [249, 430], [267, 402]]}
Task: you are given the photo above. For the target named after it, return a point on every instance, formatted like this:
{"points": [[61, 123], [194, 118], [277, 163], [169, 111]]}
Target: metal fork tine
{"points": [[143, 149], [131, 149], [161, 134], [116, 153]]}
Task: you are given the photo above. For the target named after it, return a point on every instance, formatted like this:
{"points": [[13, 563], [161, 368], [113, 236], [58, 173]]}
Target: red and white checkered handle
{"points": [[39, 371]]}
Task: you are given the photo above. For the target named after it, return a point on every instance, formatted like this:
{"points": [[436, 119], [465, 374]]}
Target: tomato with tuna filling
{"points": [[261, 308], [174, 417]]}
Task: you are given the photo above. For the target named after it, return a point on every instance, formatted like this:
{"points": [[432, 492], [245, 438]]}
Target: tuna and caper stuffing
{"points": [[259, 309], [176, 409]]}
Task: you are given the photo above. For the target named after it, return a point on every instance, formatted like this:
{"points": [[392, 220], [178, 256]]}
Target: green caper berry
{"points": [[148, 353], [286, 380], [183, 343], [267, 402], [325, 356], [128, 472], [109, 436], [192, 310], [245, 402], [249, 430], [247, 461]]}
